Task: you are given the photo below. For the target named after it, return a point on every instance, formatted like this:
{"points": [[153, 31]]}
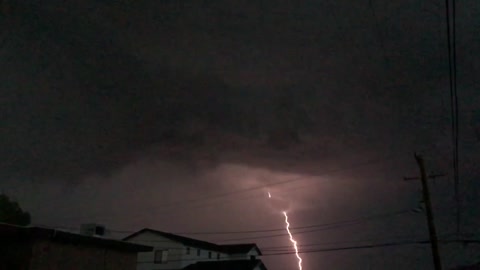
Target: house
{"points": [[28, 248], [173, 251], [241, 251], [228, 265]]}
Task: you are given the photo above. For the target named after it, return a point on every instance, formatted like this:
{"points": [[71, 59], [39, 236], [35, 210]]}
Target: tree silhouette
{"points": [[10, 212]]}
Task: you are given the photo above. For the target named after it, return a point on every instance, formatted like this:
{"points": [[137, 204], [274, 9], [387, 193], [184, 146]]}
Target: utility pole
{"points": [[428, 205]]}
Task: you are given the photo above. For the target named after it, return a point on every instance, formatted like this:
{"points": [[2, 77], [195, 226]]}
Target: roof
{"points": [[227, 265], [178, 238], [20, 233], [229, 249], [240, 248]]}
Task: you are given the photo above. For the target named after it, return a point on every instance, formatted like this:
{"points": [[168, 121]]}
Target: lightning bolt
{"points": [[293, 241], [291, 236]]}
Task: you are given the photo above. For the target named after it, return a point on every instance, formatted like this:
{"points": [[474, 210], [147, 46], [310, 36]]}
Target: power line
{"points": [[301, 229], [457, 168], [289, 247], [389, 244], [398, 238], [367, 218], [326, 226], [184, 203], [452, 71], [358, 247], [296, 230], [295, 179], [317, 250]]}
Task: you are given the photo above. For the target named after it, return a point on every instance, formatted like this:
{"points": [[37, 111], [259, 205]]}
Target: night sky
{"points": [[181, 116]]}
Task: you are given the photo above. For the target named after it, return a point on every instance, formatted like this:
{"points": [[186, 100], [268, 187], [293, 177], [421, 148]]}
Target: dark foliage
{"points": [[12, 213]]}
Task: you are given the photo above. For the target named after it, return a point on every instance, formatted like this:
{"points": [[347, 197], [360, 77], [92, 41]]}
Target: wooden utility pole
{"points": [[428, 206]]}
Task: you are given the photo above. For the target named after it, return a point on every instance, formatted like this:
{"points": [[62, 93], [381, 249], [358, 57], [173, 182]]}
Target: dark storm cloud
{"points": [[75, 100], [88, 84], [247, 92]]}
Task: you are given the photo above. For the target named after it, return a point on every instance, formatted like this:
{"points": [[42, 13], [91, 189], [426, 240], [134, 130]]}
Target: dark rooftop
{"points": [[227, 265], [20, 233], [240, 248], [229, 249], [182, 239]]}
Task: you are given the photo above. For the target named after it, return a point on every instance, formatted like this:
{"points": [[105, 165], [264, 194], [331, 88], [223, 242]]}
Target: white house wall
{"points": [[243, 256], [145, 260], [194, 258], [177, 253]]}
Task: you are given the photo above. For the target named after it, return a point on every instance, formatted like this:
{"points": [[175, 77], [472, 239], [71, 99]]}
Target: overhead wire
{"points": [[325, 226], [366, 218], [187, 202], [342, 248], [298, 230], [398, 238], [457, 167], [398, 243], [301, 246], [388, 244], [295, 179], [452, 72]]}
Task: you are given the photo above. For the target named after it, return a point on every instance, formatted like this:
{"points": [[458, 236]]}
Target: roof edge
{"points": [[54, 235]]}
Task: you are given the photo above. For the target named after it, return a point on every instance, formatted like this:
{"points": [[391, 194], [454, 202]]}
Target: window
{"points": [[252, 257], [209, 254], [199, 252], [218, 256], [161, 256], [188, 250]]}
